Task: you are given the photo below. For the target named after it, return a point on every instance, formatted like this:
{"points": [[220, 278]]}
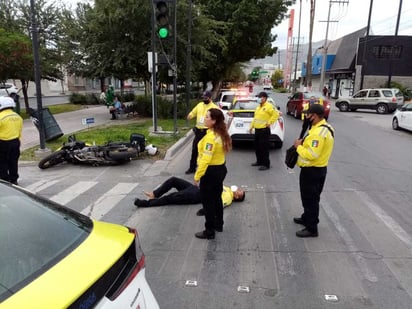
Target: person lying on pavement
{"points": [[187, 193]]}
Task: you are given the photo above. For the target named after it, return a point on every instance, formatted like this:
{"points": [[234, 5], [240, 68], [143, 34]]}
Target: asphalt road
{"points": [[361, 259]]}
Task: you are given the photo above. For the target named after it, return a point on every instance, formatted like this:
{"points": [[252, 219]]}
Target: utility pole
{"points": [[297, 47], [188, 59], [37, 74], [396, 34], [325, 44]]}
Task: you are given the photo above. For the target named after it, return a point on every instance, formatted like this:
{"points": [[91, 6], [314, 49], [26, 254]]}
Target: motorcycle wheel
{"points": [[122, 155], [52, 159]]}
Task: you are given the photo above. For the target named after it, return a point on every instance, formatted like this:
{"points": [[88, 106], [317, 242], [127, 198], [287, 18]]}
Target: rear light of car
{"points": [[326, 106], [280, 121], [136, 267], [394, 100]]}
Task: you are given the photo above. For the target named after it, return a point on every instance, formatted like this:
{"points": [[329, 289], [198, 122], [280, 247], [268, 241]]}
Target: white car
{"points": [[7, 89], [403, 117], [240, 117], [227, 97]]}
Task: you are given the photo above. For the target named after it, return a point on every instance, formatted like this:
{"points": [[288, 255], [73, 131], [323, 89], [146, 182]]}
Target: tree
{"points": [[246, 32]]}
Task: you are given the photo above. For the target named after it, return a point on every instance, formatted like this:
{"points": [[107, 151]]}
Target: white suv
{"points": [[383, 100], [6, 89]]}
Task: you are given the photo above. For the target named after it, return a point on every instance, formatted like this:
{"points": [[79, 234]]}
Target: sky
{"points": [[347, 18]]}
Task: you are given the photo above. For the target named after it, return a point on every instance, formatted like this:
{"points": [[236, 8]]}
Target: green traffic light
{"points": [[163, 33]]}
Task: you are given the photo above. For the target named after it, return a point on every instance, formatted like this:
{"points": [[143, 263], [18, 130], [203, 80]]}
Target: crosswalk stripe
{"points": [[41, 185], [108, 200], [72, 192]]}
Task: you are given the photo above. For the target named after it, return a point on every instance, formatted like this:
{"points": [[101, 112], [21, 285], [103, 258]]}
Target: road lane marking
{"points": [[108, 200], [41, 185], [72, 192], [363, 266], [388, 220]]}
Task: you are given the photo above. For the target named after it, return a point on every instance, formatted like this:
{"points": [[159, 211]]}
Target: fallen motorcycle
{"points": [[112, 153]]}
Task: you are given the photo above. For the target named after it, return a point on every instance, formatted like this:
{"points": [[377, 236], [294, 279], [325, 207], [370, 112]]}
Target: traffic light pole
{"points": [[154, 70], [37, 75]]}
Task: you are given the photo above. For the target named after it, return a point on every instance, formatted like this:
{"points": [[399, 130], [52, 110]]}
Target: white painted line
{"points": [[72, 192], [108, 200], [388, 220], [40, 185], [363, 266]]}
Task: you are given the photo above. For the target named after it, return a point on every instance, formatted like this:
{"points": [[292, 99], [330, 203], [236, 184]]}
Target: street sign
{"points": [[87, 121]]}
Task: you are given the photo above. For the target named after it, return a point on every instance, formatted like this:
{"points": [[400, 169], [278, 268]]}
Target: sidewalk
{"points": [[68, 122]]}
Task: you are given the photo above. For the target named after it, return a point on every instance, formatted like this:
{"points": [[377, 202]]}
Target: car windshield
{"points": [[245, 105], [308, 95], [35, 234], [228, 98]]}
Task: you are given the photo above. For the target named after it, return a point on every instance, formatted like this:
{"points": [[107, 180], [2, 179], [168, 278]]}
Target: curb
{"points": [[178, 145]]}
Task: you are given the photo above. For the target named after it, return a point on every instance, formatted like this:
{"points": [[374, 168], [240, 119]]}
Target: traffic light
{"points": [[255, 74], [162, 18]]}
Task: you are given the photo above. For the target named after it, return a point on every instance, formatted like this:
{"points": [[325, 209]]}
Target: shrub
{"points": [[77, 98]]}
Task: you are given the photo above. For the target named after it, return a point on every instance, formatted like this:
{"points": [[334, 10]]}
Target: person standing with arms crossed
{"points": [[211, 171], [265, 116], [199, 111], [11, 126], [314, 153]]}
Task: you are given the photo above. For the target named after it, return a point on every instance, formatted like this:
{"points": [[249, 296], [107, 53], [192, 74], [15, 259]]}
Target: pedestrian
{"points": [[11, 126], [314, 153], [199, 111], [109, 96], [325, 91], [187, 193], [265, 116], [211, 171], [116, 108]]}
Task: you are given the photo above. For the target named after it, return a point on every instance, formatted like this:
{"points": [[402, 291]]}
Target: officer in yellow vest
{"points": [[265, 116], [11, 126], [314, 152], [306, 122], [199, 111]]}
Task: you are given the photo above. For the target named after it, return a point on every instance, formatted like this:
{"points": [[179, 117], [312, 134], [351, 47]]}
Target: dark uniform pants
{"points": [[187, 193], [199, 134], [311, 181], [262, 146], [9, 158], [211, 187]]}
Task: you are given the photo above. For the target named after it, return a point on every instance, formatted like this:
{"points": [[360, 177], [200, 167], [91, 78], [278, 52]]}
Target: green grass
{"points": [[100, 135], [56, 109]]}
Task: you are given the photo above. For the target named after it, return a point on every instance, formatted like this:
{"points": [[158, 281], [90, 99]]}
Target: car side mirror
{"points": [[403, 109]]}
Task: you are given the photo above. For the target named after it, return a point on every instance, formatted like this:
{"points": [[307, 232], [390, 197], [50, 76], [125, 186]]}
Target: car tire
{"points": [[382, 108], [344, 107], [395, 123]]}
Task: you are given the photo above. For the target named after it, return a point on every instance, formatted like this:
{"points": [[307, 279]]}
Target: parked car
{"points": [[403, 117], [227, 97], [8, 89], [294, 106], [383, 100], [268, 87], [240, 116], [54, 257]]}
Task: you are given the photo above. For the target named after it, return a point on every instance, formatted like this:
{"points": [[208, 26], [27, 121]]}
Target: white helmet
{"points": [[7, 102], [151, 149]]}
